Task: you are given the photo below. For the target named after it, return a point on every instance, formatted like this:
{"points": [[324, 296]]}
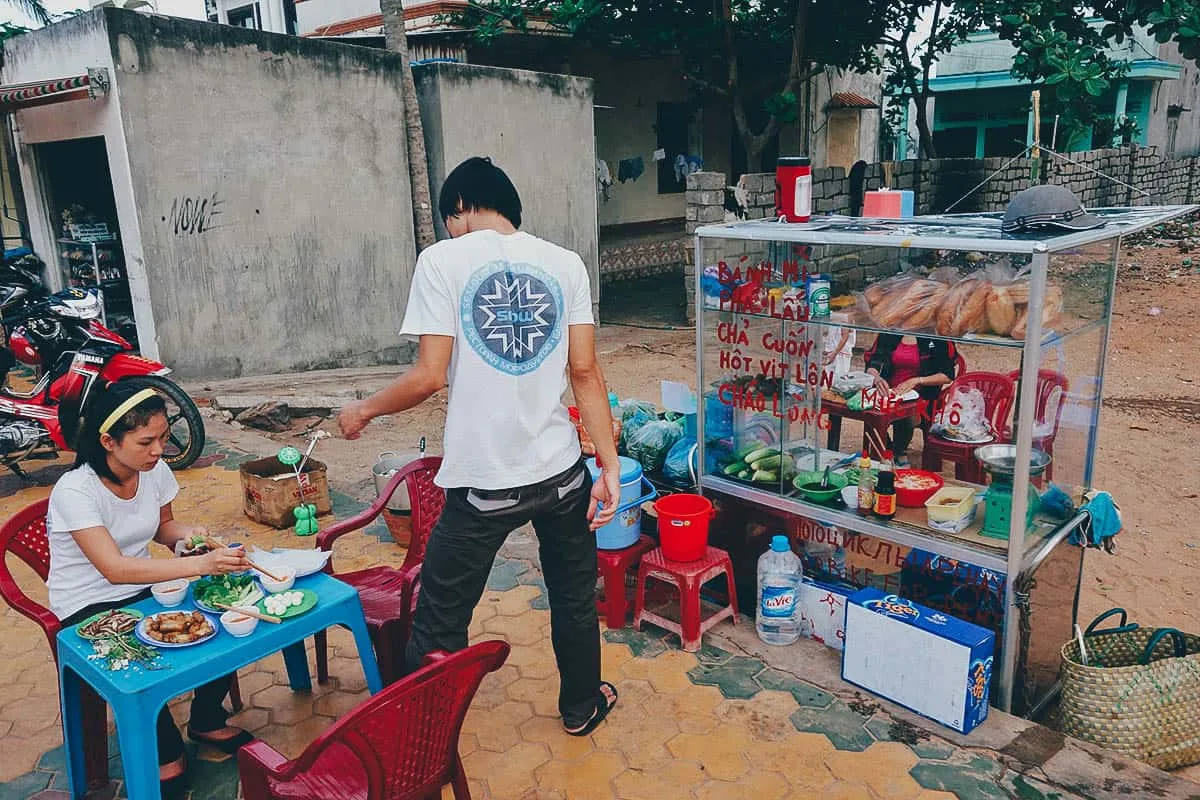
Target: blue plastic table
{"points": [[136, 695]]}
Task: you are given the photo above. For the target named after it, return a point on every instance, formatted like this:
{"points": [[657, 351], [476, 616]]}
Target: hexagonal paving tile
{"points": [[642, 644], [522, 629], [585, 779], [735, 677], [959, 779], [766, 715], [541, 694], [844, 727], [515, 602], [339, 703], [847, 791], [549, 732], [719, 752], [666, 673], [507, 774], [496, 729], [888, 772], [285, 706], [757, 784], [674, 778], [290, 740]]}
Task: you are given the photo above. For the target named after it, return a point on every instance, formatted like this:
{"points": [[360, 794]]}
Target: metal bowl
{"points": [[1001, 459]]}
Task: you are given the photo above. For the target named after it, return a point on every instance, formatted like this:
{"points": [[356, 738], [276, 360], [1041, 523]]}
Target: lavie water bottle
{"points": [[779, 574]]}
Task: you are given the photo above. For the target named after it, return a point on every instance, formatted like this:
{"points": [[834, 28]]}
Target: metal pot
{"points": [[389, 464]]}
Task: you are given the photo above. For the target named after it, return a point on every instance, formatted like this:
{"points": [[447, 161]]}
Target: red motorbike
{"points": [[60, 335]]}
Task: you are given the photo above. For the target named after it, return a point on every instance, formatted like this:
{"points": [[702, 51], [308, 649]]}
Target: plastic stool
{"points": [[612, 566], [688, 576]]}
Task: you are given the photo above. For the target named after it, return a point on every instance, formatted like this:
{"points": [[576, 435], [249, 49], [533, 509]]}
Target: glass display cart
{"points": [[1024, 322]]}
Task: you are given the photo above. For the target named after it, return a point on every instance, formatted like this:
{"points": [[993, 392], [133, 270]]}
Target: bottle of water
{"points": [[779, 574]]}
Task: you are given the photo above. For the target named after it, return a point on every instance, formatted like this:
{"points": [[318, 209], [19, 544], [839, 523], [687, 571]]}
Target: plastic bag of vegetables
{"points": [[650, 443]]}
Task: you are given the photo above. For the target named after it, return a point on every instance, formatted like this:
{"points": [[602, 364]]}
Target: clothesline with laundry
{"points": [[632, 168]]}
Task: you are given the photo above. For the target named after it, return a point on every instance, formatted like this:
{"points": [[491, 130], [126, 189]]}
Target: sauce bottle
{"points": [[866, 486], [885, 489]]}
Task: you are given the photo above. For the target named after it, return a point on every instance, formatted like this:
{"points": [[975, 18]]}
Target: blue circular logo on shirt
{"points": [[510, 314]]}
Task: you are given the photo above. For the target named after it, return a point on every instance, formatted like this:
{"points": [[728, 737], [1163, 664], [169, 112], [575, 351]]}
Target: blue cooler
{"points": [[626, 526]]}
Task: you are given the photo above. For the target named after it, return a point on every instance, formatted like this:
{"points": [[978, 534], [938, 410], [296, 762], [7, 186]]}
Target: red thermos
{"points": [[793, 188]]}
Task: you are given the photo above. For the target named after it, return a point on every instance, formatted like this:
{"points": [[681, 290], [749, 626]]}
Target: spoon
{"points": [[825, 479]]}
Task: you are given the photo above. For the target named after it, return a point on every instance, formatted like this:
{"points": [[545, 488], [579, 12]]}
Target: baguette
{"points": [[911, 305], [973, 312], [1018, 328], [925, 308], [1000, 310], [962, 310]]}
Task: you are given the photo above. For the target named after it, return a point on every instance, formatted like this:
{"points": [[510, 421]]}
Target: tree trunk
{"points": [[924, 133], [414, 133]]}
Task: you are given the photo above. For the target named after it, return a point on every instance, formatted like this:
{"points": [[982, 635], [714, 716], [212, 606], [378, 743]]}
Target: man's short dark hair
{"points": [[477, 184]]}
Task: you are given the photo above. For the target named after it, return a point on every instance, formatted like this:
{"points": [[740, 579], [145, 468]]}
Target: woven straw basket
{"points": [[1134, 690]]}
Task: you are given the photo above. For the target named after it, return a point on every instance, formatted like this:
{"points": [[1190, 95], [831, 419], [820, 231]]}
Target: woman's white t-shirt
{"points": [[79, 500]]}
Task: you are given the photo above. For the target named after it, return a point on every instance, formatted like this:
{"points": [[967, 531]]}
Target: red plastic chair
{"points": [[1048, 383], [24, 536], [997, 391], [388, 594], [401, 744]]}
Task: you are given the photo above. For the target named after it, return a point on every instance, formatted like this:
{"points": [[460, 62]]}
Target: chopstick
{"points": [[249, 612], [213, 542]]}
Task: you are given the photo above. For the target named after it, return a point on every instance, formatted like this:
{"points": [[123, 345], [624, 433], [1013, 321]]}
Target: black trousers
{"points": [[459, 557], [208, 711]]}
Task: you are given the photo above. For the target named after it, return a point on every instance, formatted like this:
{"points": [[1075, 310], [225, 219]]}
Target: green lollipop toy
{"points": [[306, 513]]}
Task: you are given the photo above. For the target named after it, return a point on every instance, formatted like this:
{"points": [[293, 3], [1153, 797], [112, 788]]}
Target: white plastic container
{"points": [[778, 620], [273, 586]]}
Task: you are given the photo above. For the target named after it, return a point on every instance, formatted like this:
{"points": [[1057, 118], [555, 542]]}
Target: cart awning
{"points": [[40, 93]]}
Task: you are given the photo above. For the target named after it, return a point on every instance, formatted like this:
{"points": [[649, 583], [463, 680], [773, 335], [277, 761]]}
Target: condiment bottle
{"points": [[885, 489], [866, 487]]}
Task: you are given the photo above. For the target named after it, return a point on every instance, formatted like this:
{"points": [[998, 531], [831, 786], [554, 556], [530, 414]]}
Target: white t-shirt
{"points": [[79, 500], [508, 301]]}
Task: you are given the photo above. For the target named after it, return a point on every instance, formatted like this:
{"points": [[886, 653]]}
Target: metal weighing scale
{"points": [[1000, 460]]}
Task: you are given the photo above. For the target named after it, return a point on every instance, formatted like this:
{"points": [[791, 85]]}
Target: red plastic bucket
{"points": [[683, 525]]}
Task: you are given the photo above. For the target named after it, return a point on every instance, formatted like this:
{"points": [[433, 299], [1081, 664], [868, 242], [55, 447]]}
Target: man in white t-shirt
{"points": [[503, 318]]}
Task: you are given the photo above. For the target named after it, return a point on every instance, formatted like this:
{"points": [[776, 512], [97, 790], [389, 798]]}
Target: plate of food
{"points": [[286, 605], [175, 629], [109, 623], [964, 439], [211, 592]]}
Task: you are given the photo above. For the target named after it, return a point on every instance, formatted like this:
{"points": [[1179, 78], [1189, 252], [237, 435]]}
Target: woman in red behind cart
{"points": [[902, 364]]}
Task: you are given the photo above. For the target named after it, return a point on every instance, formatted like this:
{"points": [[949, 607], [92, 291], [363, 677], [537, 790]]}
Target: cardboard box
{"points": [[823, 612], [270, 493], [928, 662]]}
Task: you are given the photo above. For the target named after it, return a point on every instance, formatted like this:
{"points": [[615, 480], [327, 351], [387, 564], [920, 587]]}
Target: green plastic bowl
{"points": [[803, 479]]}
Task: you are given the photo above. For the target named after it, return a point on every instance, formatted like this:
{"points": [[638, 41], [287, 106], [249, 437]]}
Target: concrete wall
{"points": [[303, 254], [1183, 93], [297, 146], [536, 126]]}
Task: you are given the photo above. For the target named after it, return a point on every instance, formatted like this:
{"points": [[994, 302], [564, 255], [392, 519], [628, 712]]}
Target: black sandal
{"points": [[604, 704], [228, 746]]}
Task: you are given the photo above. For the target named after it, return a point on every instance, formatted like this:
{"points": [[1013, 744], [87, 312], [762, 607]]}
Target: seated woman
{"points": [[103, 515], [901, 364]]}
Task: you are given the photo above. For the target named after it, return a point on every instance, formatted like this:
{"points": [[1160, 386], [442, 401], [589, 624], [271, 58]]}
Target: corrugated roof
{"points": [[850, 100]]}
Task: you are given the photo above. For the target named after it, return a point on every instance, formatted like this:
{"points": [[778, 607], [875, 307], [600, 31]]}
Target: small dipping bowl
{"points": [[238, 624], [170, 593], [850, 496], [275, 587]]}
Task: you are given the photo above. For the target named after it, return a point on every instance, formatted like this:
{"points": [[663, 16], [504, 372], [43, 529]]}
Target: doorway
{"points": [[78, 188]]}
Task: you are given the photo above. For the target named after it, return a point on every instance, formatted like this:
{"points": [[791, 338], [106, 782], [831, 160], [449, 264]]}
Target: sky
{"points": [[178, 8]]}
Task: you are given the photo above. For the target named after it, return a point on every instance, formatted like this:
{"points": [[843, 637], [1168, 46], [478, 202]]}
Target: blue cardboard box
{"points": [[925, 660]]}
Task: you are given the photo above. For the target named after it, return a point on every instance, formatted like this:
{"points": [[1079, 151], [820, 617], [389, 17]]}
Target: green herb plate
{"points": [[133, 612], [213, 609], [307, 604]]}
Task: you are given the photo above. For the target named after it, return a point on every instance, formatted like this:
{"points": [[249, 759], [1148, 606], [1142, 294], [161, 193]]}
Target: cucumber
{"points": [[734, 468], [768, 463], [744, 475], [764, 476], [763, 452], [747, 450]]}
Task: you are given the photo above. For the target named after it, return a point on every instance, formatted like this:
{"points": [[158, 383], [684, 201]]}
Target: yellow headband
{"points": [[125, 408]]}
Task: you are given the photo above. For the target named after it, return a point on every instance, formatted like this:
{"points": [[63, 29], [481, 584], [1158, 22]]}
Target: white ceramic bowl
{"points": [[275, 587], [238, 624], [170, 593]]}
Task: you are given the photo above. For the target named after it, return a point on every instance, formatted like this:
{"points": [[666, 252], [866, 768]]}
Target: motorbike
{"points": [[61, 337]]}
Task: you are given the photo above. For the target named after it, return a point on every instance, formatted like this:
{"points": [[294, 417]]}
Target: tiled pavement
{"points": [[707, 725]]}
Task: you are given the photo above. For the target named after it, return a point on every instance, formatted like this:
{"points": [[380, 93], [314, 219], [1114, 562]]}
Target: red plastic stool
{"points": [[688, 576], [612, 566]]}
